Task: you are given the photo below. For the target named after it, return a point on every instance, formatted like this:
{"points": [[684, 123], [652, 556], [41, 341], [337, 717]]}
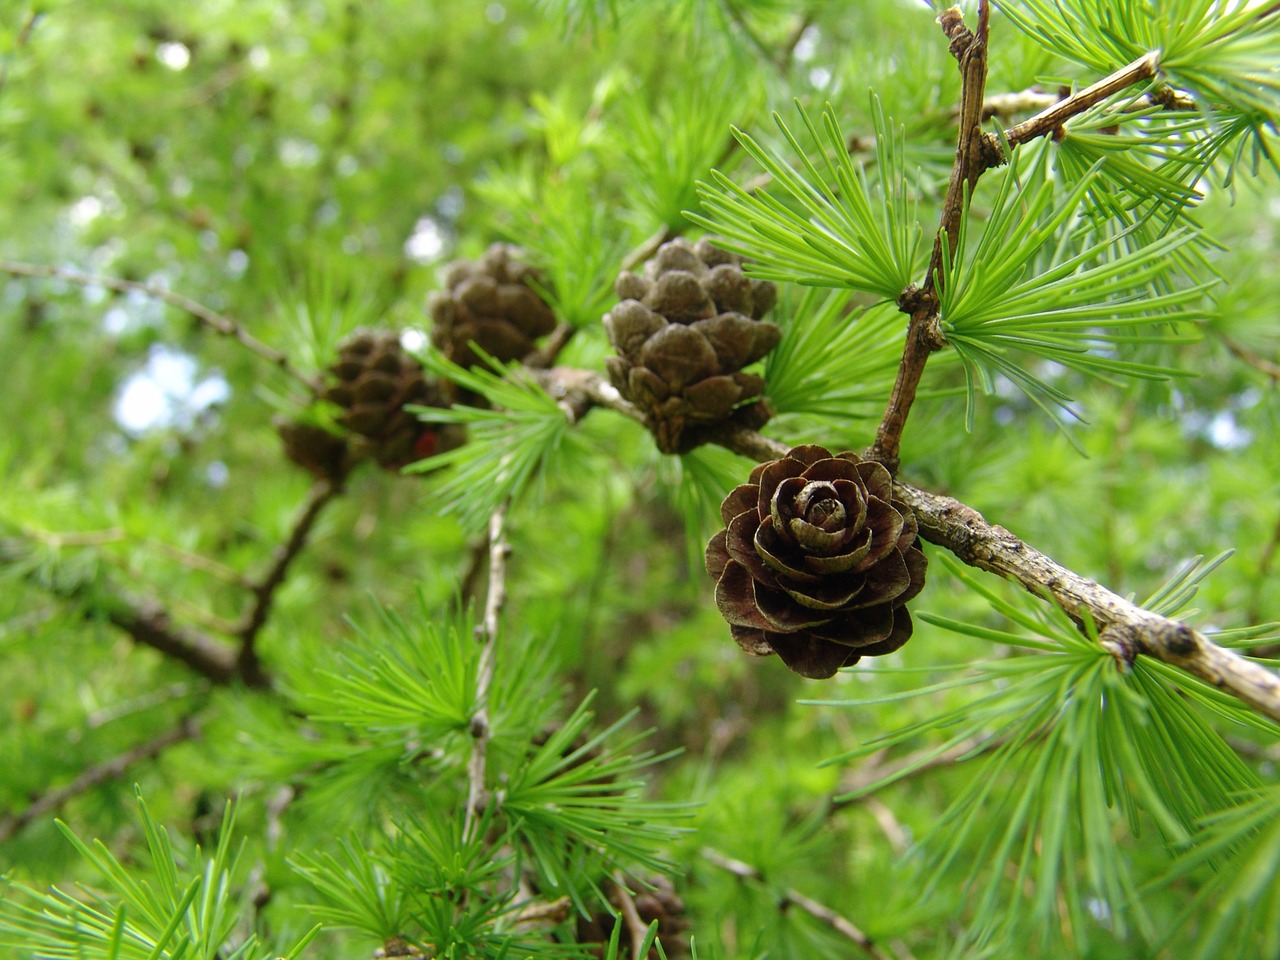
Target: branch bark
{"points": [[148, 623], [248, 663], [1049, 122], [98, 774], [487, 634], [210, 318]]}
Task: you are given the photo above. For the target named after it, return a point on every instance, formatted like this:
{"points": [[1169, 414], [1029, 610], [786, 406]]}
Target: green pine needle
{"points": [[156, 910], [511, 447], [836, 228], [1074, 749], [1022, 289]]}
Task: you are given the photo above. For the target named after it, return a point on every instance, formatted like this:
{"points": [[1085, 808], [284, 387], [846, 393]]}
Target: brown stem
{"points": [[923, 332], [19, 41], [250, 667], [923, 761], [148, 623], [556, 341], [1245, 355], [209, 317], [648, 247], [789, 898], [487, 635], [96, 775], [1049, 122]]}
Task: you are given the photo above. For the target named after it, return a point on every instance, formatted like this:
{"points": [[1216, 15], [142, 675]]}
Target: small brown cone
{"points": [[493, 303], [374, 377], [684, 331]]}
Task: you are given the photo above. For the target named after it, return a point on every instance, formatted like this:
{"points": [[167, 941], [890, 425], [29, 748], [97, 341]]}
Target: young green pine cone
{"points": [[683, 331], [489, 302], [817, 561], [375, 379]]}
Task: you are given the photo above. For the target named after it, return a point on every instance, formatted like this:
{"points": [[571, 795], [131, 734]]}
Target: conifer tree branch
{"points": [[924, 335], [150, 625], [487, 635], [1049, 121], [1126, 629], [217, 322], [49, 802], [789, 898], [321, 494]]}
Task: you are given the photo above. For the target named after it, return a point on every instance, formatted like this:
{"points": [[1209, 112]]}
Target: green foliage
{"points": [[1076, 748], [305, 169], [1223, 50], [1243, 845], [511, 446], [170, 909], [844, 230], [1026, 287]]}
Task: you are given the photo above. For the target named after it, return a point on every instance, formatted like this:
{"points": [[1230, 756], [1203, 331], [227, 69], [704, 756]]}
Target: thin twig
{"points": [[1244, 354], [636, 926], [196, 561], [96, 775], [1049, 122], [556, 341], [321, 493], [648, 247], [19, 41], [487, 635], [867, 779], [818, 911], [211, 318]]}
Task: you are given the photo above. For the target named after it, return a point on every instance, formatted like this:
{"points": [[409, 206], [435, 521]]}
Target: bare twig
{"points": [[250, 667], [636, 926], [149, 624], [1009, 104], [98, 774], [1049, 122], [818, 911], [196, 561], [1245, 355], [487, 635], [648, 247], [211, 318], [556, 341], [19, 41], [869, 775]]}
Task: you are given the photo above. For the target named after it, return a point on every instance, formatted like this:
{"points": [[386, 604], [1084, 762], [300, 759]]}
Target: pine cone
{"points": [[817, 562], [376, 378], [684, 331], [316, 450], [659, 901], [489, 302]]}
